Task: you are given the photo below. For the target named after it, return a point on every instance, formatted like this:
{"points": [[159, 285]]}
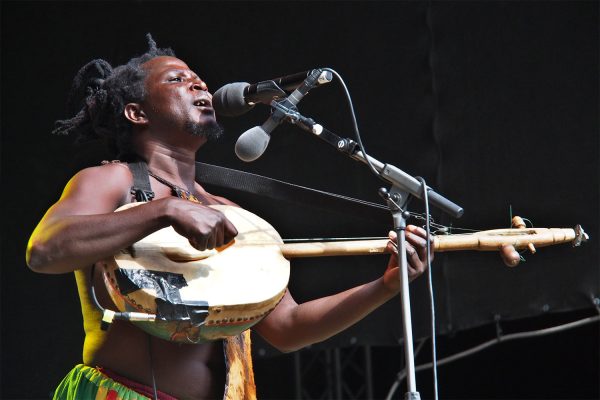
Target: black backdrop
{"points": [[494, 103]]}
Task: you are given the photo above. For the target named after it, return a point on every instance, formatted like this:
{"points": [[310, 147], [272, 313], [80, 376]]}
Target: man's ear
{"points": [[134, 113]]}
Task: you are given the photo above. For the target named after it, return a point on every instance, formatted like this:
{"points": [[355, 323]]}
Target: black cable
{"points": [[430, 287], [92, 270], [354, 123], [500, 339], [152, 367]]}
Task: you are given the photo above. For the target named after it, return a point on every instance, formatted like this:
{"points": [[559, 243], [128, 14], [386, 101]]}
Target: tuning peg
{"points": [[517, 222], [580, 236]]}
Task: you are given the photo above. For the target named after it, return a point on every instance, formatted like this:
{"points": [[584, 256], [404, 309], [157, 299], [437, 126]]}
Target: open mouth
{"points": [[202, 103]]}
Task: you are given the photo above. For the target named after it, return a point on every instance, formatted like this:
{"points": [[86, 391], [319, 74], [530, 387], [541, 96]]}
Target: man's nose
{"points": [[199, 85]]}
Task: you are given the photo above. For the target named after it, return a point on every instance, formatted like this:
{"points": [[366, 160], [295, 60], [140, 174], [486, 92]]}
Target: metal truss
{"points": [[338, 373]]}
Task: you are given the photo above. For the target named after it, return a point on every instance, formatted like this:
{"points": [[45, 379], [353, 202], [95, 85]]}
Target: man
{"points": [[157, 110]]}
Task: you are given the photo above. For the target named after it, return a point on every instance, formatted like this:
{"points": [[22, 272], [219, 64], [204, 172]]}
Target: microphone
{"points": [[238, 98], [253, 143]]}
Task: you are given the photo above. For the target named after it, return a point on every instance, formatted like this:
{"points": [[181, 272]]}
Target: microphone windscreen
{"points": [[252, 144], [229, 101]]}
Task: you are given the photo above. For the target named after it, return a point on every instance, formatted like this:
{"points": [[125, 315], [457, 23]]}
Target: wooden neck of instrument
{"points": [[481, 241]]}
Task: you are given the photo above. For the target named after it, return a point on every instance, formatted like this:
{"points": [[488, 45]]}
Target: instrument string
{"points": [[438, 229], [331, 239]]}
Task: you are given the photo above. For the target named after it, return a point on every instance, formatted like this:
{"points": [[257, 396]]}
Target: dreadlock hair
{"points": [[98, 97]]}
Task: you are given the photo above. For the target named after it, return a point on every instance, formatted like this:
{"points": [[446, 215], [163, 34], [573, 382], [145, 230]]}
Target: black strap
{"points": [[221, 177], [141, 188]]}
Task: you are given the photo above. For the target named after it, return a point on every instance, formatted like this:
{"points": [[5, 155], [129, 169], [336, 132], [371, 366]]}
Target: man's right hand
{"points": [[204, 227]]}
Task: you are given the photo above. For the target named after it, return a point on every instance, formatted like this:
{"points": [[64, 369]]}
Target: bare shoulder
{"points": [[108, 177], [102, 188]]}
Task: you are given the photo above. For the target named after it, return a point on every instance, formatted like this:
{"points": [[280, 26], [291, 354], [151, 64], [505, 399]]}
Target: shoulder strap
{"points": [[245, 182], [141, 188]]}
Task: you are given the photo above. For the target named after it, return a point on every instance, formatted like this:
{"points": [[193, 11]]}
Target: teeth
{"points": [[200, 103]]}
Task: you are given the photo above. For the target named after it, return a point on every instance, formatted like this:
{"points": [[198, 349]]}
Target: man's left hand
{"points": [[416, 256]]}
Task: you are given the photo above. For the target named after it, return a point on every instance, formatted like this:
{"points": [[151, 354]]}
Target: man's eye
{"points": [[176, 79]]}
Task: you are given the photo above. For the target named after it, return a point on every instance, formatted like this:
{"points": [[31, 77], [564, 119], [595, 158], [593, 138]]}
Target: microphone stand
{"points": [[402, 187]]}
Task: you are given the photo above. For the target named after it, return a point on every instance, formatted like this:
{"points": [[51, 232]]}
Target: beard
{"points": [[210, 130]]}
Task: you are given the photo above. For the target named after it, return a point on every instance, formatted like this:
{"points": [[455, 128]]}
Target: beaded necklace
{"points": [[179, 192]]}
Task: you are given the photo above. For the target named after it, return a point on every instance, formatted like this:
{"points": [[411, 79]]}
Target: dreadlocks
{"points": [[98, 97]]}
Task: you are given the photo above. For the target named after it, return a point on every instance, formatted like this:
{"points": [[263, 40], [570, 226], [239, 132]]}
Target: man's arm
{"points": [[292, 326], [81, 228]]}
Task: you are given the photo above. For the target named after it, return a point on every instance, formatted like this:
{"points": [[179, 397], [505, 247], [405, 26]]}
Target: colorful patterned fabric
{"points": [[89, 383]]}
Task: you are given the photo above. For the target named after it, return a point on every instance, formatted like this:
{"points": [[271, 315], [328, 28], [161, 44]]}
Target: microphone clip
{"points": [[286, 109], [290, 114], [265, 92]]}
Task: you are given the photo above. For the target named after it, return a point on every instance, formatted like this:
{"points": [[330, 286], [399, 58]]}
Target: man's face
{"points": [[177, 99]]}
